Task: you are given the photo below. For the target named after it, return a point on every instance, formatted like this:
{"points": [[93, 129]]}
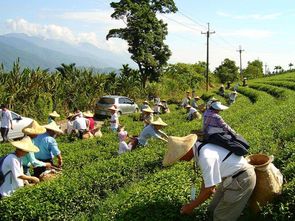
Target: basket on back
{"points": [[269, 181]]}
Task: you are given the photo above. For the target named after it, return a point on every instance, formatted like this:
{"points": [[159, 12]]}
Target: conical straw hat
{"points": [[54, 114], [54, 127], [148, 109], [25, 144], [88, 114], [178, 147], [159, 121], [33, 129]]}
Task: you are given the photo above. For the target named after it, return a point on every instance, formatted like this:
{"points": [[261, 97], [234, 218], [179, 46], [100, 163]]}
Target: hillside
{"points": [[47, 53], [97, 184]]}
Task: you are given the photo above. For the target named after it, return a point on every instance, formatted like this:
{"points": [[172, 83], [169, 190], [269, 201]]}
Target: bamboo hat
{"points": [[197, 97], [148, 109], [70, 116], [188, 106], [54, 127], [88, 114], [146, 102], [33, 129], [159, 121], [54, 114], [25, 144], [178, 147]]}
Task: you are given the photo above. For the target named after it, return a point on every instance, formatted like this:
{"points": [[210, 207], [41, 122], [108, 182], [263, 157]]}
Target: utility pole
{"points": [[207, 65], [240, 51], [265, 69]]}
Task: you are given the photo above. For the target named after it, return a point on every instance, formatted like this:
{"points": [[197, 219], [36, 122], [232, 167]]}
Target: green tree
{"points": [[253, 70], [144, 33], [227, 71]]}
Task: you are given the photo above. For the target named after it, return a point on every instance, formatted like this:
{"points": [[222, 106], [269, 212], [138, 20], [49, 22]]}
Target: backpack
{"points": [[2, 175], [235, 143]]}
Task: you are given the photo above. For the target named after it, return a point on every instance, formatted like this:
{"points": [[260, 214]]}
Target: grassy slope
{"points": [[99, 185]]}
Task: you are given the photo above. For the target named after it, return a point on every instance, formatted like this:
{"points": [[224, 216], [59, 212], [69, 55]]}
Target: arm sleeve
{"points": [[34, 161], [223, 125], [52, 144], [210, 171]]}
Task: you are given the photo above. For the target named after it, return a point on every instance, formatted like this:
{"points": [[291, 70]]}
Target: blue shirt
{"points": [[148, 132], [47, 146]]}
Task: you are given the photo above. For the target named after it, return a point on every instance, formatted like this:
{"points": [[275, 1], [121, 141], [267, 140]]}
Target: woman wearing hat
{"points": [[212, 119], [232, 97], [114, 118], [145, 105], [89, 116], [152, 130], [52, 116], [234, 177], [11, 166], [192, 113], [148, 116], [48, 147], [32, 131]]}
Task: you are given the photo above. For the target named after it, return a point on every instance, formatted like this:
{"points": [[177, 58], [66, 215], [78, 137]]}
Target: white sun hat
{"points": [[218, 106]]}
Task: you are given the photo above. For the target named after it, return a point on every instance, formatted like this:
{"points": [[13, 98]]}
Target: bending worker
{"points": [[230, 181]]}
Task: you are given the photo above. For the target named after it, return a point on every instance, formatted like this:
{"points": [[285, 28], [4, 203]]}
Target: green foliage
{"points": [[253, 70], [227, 71]]}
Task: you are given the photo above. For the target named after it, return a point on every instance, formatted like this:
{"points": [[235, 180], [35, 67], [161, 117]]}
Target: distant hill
{"points": [[47, 53]]}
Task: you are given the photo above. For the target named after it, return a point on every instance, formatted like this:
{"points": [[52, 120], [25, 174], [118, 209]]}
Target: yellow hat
{"points": [[159, 121], [25, 144], [88, 114], [54, 127], [148, 109], [178, 147], [33, 129], [54, 114]]}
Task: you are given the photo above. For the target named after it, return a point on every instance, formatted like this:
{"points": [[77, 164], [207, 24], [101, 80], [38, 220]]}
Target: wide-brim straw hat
{"points": [[88, 114], [146, 102], [25, 144], [148, 109], [70, 116], [112, 108], [54, 114], [188, 106], [159, 122], [197, 97], [54, 127], [178, 147], [218, 106], [33, 129]]}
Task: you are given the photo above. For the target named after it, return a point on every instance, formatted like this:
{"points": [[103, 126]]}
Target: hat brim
{"points": [[25, 146], [178, 147], [218, 106]]}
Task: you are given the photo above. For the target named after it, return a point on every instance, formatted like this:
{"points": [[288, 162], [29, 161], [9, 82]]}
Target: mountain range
{"points": [[48, 53]]}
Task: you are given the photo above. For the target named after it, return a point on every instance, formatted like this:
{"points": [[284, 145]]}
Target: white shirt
{"points": [[80, 123], [123, 147], [12, 182], [69, 127], [5, 118], [212, 167], [115, 118], [191, 111]]}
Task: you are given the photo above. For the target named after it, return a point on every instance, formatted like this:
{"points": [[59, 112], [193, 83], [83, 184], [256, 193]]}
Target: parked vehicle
{"points": [[18, 123], [124, 105]]}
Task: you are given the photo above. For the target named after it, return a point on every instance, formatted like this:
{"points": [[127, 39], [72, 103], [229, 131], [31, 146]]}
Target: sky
{"points": [[263, 29]]}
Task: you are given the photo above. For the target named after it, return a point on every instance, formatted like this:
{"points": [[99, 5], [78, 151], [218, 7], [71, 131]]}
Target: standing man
{"points": [[229, 178], [48, 147], [6, 122]]}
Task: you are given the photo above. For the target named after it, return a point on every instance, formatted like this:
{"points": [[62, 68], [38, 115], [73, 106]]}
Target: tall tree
{"points": [[227, 71], [254, 69], [144, 33]]}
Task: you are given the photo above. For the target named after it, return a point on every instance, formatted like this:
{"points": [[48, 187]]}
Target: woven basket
{"points": [[267, 184]]}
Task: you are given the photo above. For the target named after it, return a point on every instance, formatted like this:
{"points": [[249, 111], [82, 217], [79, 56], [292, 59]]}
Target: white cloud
{"points": [[57, 32], [251, 16]]}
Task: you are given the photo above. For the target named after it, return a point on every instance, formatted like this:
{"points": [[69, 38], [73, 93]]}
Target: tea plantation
{"points": [[97, 184]]}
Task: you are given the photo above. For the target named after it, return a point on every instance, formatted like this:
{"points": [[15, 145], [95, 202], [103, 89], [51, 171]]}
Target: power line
{"points": [[171, 19]]}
